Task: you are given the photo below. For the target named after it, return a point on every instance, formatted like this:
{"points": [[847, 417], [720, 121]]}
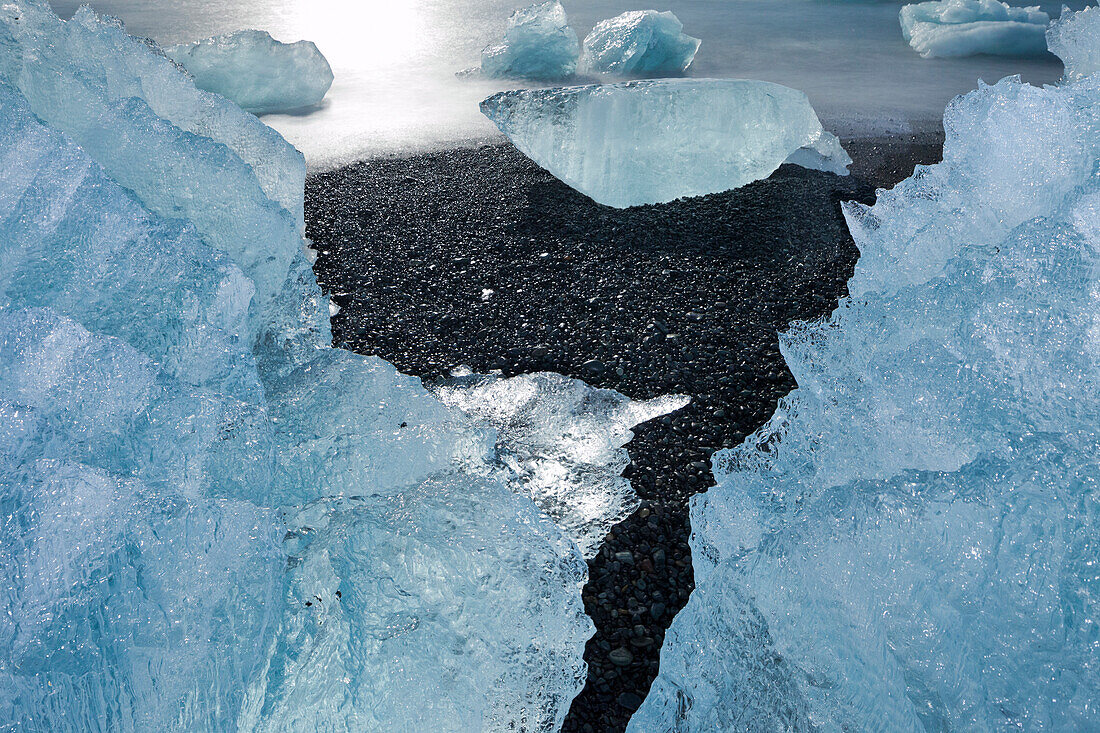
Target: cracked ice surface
{"points": [[947, 28], [910, 543], [212, 520], [644, 142], [257, 72], [560, 442]]}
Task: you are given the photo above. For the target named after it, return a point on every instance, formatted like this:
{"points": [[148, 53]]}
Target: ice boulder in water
{"points": [[910, 542], [1075, 38], [645, 142], [639, 42], [538, 44], [257, 72], [945, 28]]}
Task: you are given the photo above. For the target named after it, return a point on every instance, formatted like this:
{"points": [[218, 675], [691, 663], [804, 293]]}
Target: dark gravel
{"points": [[682, 297]]}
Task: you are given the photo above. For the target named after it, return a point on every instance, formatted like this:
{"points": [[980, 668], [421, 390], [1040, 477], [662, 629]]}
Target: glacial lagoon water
{"points": [[395, 61]]}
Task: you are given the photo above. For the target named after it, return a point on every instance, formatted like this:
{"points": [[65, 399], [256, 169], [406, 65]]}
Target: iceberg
{"points": [[260, 74], [652, 141], [213, 520], [538, 44], [639, 42], [1072, 37], [950, 28], [910, 542]]}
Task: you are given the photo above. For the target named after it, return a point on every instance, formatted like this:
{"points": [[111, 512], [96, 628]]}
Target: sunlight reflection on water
{"points": [[395, 60]]}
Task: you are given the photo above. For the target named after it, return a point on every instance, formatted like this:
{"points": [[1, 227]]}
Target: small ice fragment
{"points": [[539, 44], [257, 72], [641, 42], [644, 142], [946, 28], [487, 293]]}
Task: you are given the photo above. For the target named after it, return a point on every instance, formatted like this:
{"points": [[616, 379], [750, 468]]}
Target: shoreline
{"points": [[681, 297]]}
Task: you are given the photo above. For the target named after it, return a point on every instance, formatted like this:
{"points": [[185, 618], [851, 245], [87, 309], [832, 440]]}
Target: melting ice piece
{"points": [[1072, 38], [539, 44], [639, 42], [560, 442], [645, 142], [257, 72], [910, 543], [945, 28]]}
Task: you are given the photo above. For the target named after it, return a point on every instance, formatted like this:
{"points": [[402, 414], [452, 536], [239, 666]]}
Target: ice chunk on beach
{"points": [[947, 28], [257, 72], [639, 42], [645, 142], [538, 44], [1074, 38], [193, 481], [910, 542], [560, 442]]}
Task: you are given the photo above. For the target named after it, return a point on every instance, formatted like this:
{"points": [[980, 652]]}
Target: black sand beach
{"points": [[682, 297]]}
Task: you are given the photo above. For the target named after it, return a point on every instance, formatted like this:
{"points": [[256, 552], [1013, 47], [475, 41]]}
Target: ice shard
{"points": [[910, 542], [257, 72], [639, 43], [538, 44], [948, 28], [645, 142]]}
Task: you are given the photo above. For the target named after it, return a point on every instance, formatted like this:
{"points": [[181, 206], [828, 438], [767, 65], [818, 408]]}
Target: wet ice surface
{"points": [[401, 57], [909, 543], [560, 442], [652, 141]]}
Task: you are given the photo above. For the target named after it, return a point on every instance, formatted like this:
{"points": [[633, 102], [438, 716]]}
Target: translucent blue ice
{"points": [[645, 142], [538, 44], [257, 72], [1072, 37], [910, 542], [211, 519], [946, 28], [639, 42]]}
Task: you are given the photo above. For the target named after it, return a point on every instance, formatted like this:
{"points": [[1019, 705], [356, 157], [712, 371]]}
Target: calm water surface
{"points": [[395, 61]]}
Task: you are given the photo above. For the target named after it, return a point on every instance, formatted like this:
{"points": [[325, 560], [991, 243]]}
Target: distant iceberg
{"points": [[644, 142], [257, 72], [639, 42], [538, 44], [946, 28], [910, 543]]}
